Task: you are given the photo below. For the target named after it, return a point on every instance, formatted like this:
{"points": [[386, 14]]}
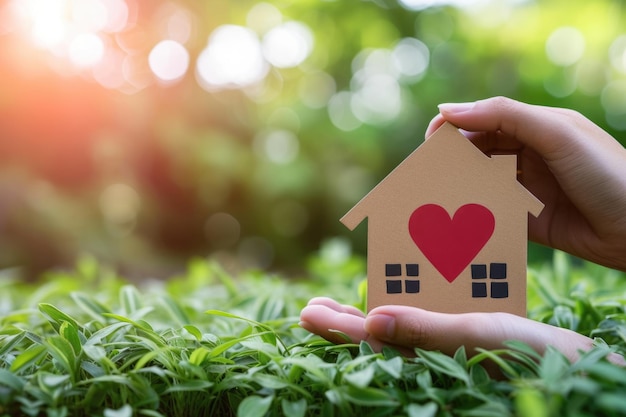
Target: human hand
{"points": [[405, 328], [575, 168]]}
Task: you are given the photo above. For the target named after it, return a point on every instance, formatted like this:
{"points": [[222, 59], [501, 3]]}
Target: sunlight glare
{"points": [[231, 59], [86, 50], [89, 15], [48, 32], [169, 60]]}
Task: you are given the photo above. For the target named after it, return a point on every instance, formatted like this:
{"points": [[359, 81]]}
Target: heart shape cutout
{"points": [[450, 244]]}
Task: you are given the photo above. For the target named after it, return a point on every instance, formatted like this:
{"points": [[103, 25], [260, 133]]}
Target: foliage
{"points": [[86, 342]]}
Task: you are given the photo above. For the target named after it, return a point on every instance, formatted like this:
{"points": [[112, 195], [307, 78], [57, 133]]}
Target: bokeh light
{"points": [[89, 15], [565, 46], [120, 205], [86, 50], [340, 111], [117, 14], [288, 44], [232, 59], [262, 17], [169, 60], [425, 4], [289, 218], [617, 53], [411, 57], [222, 230], [278, 146], [316, 89]]}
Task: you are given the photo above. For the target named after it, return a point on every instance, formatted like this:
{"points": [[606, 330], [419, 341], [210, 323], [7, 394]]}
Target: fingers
{"points": [[325, 317], [334, 305], [413, 327], [333, 321], [527, 123]]}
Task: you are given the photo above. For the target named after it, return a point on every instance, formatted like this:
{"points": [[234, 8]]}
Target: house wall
{"points": [[397, 259]]}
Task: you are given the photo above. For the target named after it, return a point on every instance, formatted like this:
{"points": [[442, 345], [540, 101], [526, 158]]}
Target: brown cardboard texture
{"points": [[448, 230]]}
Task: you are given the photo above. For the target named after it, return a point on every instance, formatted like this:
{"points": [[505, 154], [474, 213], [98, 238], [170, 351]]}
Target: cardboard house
{"points": [[448, 230]]}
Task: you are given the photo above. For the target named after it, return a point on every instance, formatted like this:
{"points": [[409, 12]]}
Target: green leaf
{"points": [[130, 299], [11, 342], [175, 311], [361, 378], [369, 397], [294, 408], [125, 411], [188, 386], [9, 379], [70, 333], [199, 355], [29, 357], [529, 402], [89, 306], [194, 331], [56, 316], [365, 349], [254, 322], [444, 364], [393, 366], [62, 351], [418, 410], [254, 406]]}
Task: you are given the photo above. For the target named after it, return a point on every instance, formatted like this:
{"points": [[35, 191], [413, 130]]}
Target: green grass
{"points": [[87, 343]]}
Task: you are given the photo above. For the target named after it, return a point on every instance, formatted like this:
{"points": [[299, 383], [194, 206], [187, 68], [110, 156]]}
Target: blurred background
{"points": [[147, 132]]}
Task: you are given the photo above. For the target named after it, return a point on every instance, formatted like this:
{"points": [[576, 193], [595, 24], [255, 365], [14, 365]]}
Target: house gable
{"points": [[445, 158]]}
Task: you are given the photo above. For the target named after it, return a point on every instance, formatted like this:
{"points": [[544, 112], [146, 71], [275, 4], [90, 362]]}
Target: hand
{"points": [[575, 168], [405, 328]]}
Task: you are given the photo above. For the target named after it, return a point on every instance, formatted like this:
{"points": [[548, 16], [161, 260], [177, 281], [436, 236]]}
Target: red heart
{"points": [[450, 244]]}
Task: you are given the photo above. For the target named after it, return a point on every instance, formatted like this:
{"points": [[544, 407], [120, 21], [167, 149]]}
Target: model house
{"points": [[447, 230]]}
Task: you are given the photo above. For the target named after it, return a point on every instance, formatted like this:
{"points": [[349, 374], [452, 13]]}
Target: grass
{"points": [[88, 343]]}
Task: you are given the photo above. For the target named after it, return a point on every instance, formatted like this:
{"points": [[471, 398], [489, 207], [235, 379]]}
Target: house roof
{"points": [[445, 166]]}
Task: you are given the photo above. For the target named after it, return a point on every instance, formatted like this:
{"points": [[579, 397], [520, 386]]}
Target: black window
{"points": [[479, 271], [394, 286], [497, 271], [412, 286], [412, 270], [479, 289], [393, 270], [499, 289]]}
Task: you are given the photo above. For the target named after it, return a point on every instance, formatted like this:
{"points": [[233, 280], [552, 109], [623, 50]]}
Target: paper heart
{"points": [[450, 244]]}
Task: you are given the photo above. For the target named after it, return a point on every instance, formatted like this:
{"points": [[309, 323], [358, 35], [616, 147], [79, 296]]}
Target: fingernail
{"points": [[455, 108], [382, 324]]}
